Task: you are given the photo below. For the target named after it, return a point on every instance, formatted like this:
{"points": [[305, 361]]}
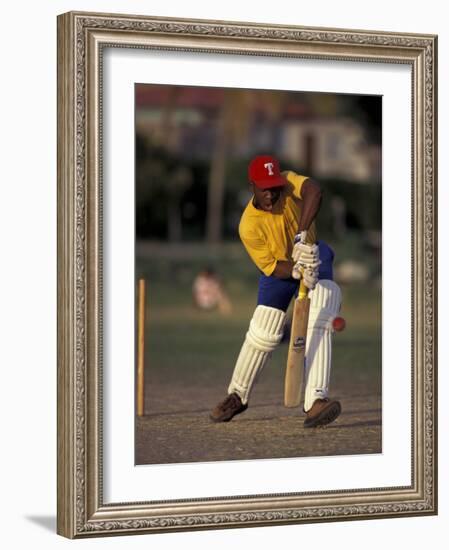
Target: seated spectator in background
{"points": [[208, 292]]}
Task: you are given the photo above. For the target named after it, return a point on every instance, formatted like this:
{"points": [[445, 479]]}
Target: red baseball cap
{"points": [[264, 172]]}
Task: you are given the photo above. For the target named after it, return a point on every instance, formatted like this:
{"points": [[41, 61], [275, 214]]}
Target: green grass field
{"points": [[190, 354]]}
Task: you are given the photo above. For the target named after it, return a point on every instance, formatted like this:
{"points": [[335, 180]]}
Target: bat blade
{"points": [[294, 373]]}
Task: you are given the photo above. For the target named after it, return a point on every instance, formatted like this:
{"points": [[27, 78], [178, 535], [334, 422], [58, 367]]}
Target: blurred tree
{"points": [[234, 121], [338, 208], [367, 110], [322, 105], [161, 182], [180, 180]]}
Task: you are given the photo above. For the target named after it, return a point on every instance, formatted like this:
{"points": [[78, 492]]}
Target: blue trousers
{"points": [[275, 292]]}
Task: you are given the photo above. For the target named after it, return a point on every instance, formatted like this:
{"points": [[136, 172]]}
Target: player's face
{"points": [[265, 199]]}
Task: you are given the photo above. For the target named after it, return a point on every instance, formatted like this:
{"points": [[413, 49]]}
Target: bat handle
{"points": [[303, 290]]}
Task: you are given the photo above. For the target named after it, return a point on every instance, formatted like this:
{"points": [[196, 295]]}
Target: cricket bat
{"points": [[294, 373]]}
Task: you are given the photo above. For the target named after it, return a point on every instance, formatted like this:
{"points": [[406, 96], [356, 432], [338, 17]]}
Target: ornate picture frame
{"points": [[82, 39]]}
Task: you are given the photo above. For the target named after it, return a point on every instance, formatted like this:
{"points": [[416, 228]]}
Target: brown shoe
{"points": [[323, 412], [228, 408]]}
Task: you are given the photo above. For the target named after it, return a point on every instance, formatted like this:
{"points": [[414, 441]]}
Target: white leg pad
{"points": [[325, 302], [264, 334]]}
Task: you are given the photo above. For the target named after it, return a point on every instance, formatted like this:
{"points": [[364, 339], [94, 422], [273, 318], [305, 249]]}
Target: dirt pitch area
{"points": [[179, 430]]}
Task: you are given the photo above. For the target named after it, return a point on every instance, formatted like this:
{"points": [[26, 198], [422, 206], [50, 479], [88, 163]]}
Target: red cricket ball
{"points": [[338, 324]]}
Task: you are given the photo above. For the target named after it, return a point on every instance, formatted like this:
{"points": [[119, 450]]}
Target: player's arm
{"points": [[306, 256], [311, 201], [283, 269]]}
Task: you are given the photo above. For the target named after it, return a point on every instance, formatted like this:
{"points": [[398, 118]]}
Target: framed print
{"points": [[213, 179]]}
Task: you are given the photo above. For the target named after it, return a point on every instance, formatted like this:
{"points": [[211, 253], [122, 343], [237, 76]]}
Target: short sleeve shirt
{"points": [[268, 236]]}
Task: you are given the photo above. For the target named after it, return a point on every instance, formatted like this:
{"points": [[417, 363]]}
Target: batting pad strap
{"points": [[266, 328]]}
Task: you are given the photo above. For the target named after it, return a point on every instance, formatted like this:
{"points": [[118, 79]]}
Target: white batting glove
{"points": [[297, 271], [301, 237], [307, 254], [308, 275]]}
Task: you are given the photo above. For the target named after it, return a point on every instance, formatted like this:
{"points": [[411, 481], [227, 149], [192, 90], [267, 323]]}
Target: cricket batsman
{"points": [[278, 231]]}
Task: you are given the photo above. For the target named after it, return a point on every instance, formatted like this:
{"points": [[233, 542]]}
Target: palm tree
{"points": [[234, 120]]}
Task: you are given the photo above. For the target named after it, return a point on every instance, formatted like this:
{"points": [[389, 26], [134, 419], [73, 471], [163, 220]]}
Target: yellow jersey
{"points": [[268, 236]]}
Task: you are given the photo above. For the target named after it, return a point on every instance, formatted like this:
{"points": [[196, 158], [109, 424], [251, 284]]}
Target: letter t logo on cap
{"points": [[269, 166]]}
